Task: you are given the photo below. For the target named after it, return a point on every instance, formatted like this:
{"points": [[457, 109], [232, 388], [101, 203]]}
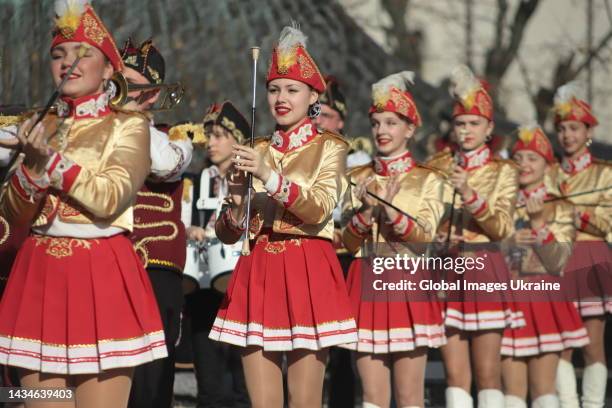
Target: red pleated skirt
{"points": [[388, 324], [79, 306], [472, 310], [289, 293], [549, 327], [588, 278], [551, 324]]}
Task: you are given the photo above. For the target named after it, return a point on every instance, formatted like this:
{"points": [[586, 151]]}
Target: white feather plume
{"points": [[530, 126], [566, 92], [399, 80], [291, 36], [74, 6], [463, 82]]}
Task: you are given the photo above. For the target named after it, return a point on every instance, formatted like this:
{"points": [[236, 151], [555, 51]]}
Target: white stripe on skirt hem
{"points": [[82, 359], [298, 337]]}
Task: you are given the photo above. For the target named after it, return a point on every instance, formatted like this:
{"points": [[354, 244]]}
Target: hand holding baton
{"points": [[54, 97], [246, 248]]}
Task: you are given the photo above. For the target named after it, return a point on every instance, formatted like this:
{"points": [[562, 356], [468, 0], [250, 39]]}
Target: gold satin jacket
{"points": [[421, 195], [554, 240], [595, 210], [307, 180], [489, 215], [101, 161]]}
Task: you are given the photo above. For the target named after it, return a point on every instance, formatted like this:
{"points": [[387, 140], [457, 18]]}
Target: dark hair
{"points": [[399, 115]]}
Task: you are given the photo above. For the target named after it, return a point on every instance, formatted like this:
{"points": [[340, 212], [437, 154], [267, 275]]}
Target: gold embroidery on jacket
{"points": [[48, 211], [66, 210]]}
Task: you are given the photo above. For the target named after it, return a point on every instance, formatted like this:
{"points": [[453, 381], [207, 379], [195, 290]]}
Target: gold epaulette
{"points": [[505, 161], [432, 169], [145, 115], [260, 140], [354, 171], [334, 136], [602, 162], [186, 131], [9, 120], [439, 161], [447, 151]]}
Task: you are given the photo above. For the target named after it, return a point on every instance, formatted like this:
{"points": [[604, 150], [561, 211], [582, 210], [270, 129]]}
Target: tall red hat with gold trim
{"points": [[391, 94], [470, 94], [77, 21], [533, 138], [568, 106], [291, 60]]}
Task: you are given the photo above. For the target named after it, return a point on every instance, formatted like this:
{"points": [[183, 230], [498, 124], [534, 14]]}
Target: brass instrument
{"points": [[172, 96]]}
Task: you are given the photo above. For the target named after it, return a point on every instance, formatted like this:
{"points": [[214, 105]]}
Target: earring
{"points": [[110, 89], [314, 110], [589, 142], [488, 138]]}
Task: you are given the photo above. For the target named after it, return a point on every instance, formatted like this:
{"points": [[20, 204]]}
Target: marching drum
{"points": [[209, 263], [193, 275], [222, 259]]}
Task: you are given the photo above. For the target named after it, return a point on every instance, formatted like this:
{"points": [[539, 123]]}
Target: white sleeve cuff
{"points": [[273, 183]]}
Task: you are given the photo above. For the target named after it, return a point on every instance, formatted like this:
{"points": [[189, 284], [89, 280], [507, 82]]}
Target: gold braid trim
{"points": [[6, 229], [7, 120], [169, 264], [141, 246], [168, 205]]}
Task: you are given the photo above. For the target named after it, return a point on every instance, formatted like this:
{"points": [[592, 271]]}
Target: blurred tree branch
{"points": [[405, 42], [567, 69], [506, 46]]}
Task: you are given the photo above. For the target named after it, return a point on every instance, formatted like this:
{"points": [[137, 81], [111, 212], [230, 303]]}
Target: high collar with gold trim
{"points": [[538, 192], [573, 166], [85, 107], [298, 137], [476, 158], [390, 166]]}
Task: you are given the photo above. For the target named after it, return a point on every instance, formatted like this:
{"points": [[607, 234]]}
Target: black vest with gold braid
{"points": [[11, 238], [5, 233], [159, 234]]}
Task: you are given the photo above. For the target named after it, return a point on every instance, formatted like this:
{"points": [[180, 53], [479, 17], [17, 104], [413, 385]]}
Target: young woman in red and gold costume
{"points": [[394, 331], [78, 310], [485, 196], [289, 294], [542, 243], [589, 270]]}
